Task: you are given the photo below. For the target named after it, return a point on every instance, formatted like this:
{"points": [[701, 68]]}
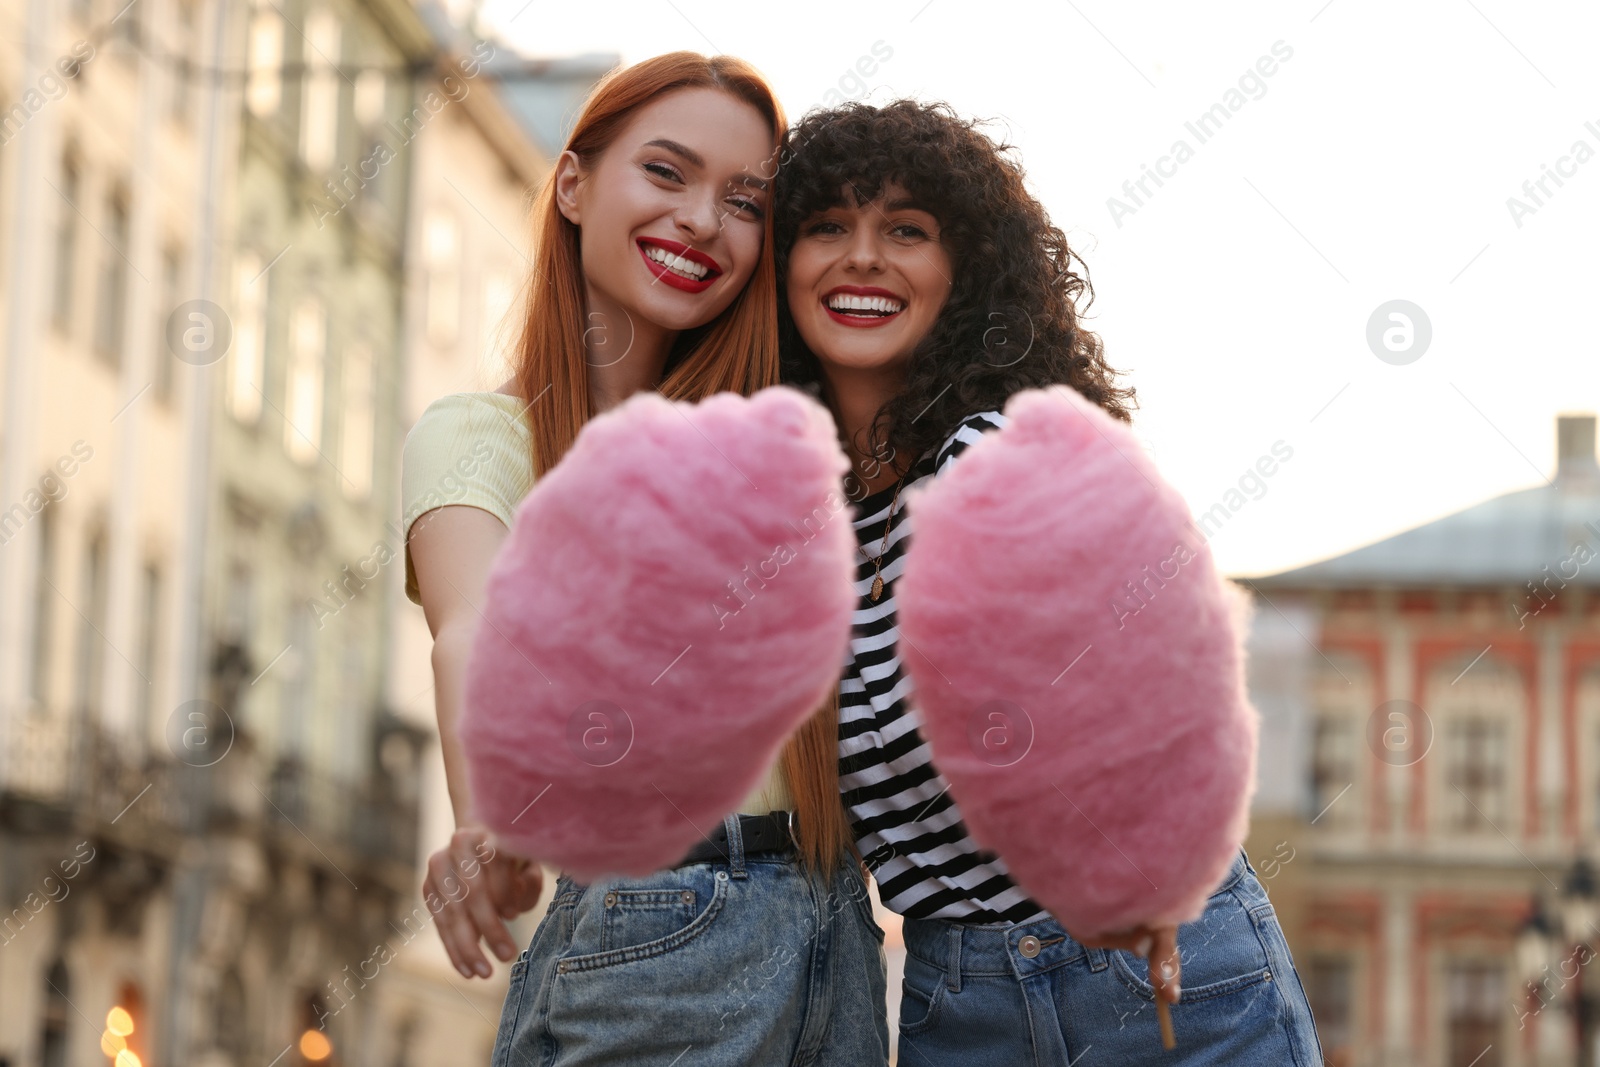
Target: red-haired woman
{"points": [[653, 269]]}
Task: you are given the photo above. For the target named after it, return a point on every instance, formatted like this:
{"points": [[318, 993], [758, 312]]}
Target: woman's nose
{"points": [[864, 252], [697, 218]]}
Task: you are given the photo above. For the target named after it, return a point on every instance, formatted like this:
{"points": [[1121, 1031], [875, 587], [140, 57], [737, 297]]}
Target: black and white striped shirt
{"points": [[906, 825]]}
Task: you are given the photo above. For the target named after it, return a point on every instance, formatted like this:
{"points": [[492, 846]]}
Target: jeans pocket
{"points": [[620, 921], [1219, 953], [922, 992], [638, 916]]}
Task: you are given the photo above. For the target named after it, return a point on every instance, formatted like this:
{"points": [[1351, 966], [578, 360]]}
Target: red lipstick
{"points": [[862, 321], [671, 277]]}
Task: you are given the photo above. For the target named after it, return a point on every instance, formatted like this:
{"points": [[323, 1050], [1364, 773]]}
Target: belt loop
{"points": [[735, 845], [952, 975]]}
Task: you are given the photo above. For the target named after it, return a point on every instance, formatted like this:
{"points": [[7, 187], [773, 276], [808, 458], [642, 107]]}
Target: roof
{"points": [[547, 94], [544, 95], [1509, 538]]}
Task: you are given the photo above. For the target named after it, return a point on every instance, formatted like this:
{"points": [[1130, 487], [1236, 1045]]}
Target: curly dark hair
{"points": [[1012, 320]]}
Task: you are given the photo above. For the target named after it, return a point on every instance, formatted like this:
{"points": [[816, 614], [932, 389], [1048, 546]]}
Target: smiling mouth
{"points": [[678, 265], [864, 308]]}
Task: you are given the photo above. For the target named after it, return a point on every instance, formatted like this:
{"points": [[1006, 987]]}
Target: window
{"points": [[171, 290], [149, 648], [442, 256], [233, 1035], [370, 104], [1343, 696], [498, 331], [126, 30], [1475, 753], [264, 83], [44, 602], [57, 1011], [319, 119], [249, 338], [183, 44], [1330, 987], [91, 643], [355, 446], [308, 333], [1475, 999], [1333, 770], [368, 101], [1477, 704], [299, 681], [111, 306], [350, 740], [236, 631], [66, 245], [239, 611], [1587, 701]]}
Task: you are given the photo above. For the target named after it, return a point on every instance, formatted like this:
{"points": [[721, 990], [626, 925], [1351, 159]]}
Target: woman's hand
{"points": [[472, 887], [1158, 944]]}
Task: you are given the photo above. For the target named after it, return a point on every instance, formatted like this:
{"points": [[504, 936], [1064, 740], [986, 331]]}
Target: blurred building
{"points": [[100, 174], [1430, 780], [246, 242]]}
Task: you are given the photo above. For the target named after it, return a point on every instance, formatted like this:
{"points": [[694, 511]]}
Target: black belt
{"points": [[761, 833]]}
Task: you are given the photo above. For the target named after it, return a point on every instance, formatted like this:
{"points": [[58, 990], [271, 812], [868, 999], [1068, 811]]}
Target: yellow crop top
{"points": [[473, 450]]}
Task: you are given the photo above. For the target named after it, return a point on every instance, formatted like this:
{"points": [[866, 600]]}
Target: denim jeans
{"points": [[972, 997], [746, 960]]}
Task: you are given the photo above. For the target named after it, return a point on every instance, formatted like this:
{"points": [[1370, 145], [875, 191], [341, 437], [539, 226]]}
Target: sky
{"points": [[1375, 163]]}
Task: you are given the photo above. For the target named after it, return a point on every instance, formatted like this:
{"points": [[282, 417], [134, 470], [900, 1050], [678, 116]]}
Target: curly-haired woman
{"points": [[924, 286]]}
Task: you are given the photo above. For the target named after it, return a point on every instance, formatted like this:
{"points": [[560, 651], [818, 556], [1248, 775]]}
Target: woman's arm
{"points": [[471, 888], [451, 549]]}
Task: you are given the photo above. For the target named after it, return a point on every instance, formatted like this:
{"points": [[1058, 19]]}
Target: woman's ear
{"points": [[569, 175]]}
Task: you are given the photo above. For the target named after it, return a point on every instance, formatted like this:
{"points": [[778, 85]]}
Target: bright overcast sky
{"points": [[1374, 164]]}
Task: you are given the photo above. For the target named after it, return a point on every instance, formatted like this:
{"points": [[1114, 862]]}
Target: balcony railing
{"points": [[55, 770]]}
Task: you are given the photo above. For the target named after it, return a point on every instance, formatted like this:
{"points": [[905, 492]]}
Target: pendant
{"points": [[877, 587]]}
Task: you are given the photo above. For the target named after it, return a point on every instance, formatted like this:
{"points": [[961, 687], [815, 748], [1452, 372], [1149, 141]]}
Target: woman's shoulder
{"points": [[467, 448], [461, 421], [492, 407]]}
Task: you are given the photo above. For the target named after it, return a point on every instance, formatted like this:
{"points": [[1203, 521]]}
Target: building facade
{"points": [[236, 235], [1431, 778], [101, 172]]}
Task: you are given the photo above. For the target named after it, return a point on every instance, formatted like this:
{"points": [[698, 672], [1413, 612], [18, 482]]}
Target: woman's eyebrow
{"points": [[904, 204], [686, 152]]}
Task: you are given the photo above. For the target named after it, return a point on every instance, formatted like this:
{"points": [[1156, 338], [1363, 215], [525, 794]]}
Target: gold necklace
{"points": [[877, 563]]}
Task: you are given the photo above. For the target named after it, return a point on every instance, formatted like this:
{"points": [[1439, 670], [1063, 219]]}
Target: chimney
{"points": [[1575, 455]]}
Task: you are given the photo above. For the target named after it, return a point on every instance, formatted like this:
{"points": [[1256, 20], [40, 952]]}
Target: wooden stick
{"points": [[1164, 1017]]}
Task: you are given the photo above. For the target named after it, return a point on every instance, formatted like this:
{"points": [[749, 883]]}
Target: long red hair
{"points": [[737, 352]]}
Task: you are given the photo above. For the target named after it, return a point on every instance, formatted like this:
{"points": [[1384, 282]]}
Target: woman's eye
{"points": [[909, 230], [749, 207], [824, 226], [661, 170]]}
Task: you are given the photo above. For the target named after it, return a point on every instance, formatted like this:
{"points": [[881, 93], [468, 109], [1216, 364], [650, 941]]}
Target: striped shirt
{"points": [[906, 825]]}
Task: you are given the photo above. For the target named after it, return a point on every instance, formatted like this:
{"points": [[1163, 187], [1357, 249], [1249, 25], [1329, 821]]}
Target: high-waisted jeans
{"points": [[747, 960], [982, 996]]}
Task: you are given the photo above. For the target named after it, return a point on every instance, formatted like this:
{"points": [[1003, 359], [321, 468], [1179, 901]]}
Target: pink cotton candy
{"points": [[1053, 569], [682, 576]]}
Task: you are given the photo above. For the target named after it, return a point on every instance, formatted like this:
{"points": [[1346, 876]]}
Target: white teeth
{"points": [[847, 302], [677, 264]]}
